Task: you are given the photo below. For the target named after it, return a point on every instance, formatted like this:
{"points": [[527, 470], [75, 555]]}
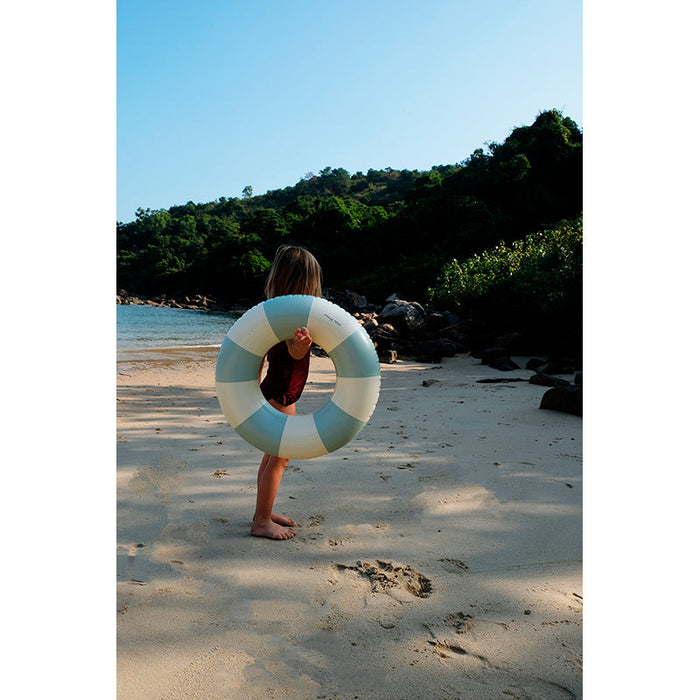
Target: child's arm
{"points": [[299, 346]]}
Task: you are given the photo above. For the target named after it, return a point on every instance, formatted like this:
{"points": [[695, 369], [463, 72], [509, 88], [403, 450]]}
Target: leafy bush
{"points": [[527, 281]]}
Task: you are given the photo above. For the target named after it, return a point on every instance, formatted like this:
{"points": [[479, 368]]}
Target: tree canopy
{"points": [[380, 232]]}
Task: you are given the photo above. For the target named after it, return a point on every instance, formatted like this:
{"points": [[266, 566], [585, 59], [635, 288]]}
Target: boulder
{"points": [[459, 332], [387, 356], [404, 315], [382, 331], [433, 351], [548, 380], [503, 364], [490, 354], [498, 358], [568, 399], [367, 320], [430, 351], [435, 322], [535, 364], [560, 366], [348, 300]]}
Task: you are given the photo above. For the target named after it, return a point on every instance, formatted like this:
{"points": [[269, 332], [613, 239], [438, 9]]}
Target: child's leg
{"points": [[265, 522], [264, 465]]}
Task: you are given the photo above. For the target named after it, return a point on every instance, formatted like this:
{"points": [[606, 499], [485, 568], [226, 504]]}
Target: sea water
{"points": [[144, 327]]}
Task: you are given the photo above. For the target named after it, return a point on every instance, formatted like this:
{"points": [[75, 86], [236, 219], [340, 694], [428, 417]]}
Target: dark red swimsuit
{"points": [[286, 377]]}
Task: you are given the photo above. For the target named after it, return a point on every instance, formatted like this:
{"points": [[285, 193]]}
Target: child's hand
{"points": [[301, 343]]}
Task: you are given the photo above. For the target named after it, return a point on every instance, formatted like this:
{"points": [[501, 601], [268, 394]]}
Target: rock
{"points": [[404, 315], [435, 322], [493, 353], [535, 364], [383, 331], [348, 300], [568, 399], [387, 356], [368, 323], [560, 366], [548, 380], [503, 364], [460, 333], [429, 356], [358, 300], [430, 351]]}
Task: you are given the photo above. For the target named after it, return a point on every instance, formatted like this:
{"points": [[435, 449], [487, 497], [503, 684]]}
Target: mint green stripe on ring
{"points": [[336, 427], [286, 314], [264, 429], [235, 364], [356, 356]]}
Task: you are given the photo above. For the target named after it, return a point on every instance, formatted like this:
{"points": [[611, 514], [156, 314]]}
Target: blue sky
{"points": [[218, 95]]}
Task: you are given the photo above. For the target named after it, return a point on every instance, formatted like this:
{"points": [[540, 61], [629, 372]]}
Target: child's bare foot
{"points": [[273, 531], [282, 520]]}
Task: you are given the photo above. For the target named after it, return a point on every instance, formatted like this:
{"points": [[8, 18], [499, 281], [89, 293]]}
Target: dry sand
{"points": [[438, 553]]}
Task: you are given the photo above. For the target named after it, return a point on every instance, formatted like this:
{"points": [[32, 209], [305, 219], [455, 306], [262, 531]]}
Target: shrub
{"points": [[529, 281]]}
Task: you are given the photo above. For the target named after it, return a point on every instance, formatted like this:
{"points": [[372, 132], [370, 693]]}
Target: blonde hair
{"points": [[294, 271]]}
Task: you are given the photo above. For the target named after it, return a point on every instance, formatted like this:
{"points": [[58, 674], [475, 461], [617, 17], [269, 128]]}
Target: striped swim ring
{"points": [[303, 436]]}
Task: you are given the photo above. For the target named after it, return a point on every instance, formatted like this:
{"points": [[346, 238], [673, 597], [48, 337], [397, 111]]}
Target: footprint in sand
{"points": [[462, 622], [444, 650], [385, 575], [454, 566]]}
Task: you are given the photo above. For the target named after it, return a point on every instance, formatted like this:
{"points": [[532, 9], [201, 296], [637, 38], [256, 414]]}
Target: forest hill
{"points": [[381, 232]]}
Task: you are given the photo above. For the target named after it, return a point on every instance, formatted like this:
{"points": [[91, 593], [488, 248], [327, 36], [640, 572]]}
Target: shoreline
{"points": [[440, 550], [154, 354], [198, 302]]}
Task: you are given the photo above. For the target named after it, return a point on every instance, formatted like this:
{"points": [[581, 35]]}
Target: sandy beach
{"points": [[438, 555]]}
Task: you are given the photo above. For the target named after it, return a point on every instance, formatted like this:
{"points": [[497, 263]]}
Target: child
{"points": [[294, 271]]}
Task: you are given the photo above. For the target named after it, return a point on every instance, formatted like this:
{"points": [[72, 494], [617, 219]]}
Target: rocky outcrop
{"points": [[403, 330], [198, 302], [568, 399]]}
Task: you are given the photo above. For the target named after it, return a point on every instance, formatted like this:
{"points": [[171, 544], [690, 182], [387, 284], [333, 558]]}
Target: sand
{"points": [[438, 555]]}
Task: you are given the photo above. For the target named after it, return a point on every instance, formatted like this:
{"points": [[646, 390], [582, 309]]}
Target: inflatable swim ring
{"points": [[303, 436]]}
